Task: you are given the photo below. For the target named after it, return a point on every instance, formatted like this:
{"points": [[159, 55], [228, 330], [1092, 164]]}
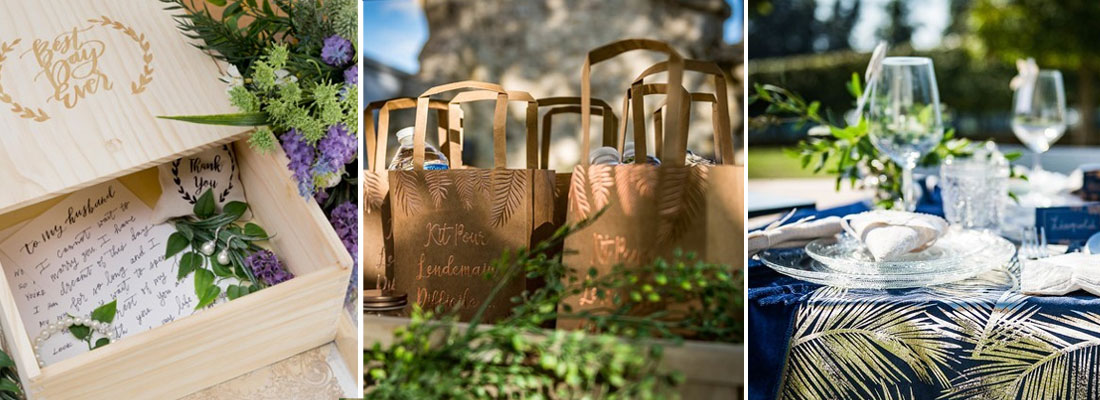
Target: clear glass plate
{"points": [[991, 251], [845, 253]]}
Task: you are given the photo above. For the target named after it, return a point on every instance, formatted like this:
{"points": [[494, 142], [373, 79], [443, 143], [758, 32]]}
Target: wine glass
{"points": [[1039, 113], [904, 116]]}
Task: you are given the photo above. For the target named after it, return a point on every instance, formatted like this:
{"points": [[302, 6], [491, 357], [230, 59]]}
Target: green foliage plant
{"points": [[435, 356]]}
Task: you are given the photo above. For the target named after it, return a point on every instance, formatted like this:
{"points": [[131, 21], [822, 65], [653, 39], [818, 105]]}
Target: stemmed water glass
{"points": [[1039, 113], [904, 116]]}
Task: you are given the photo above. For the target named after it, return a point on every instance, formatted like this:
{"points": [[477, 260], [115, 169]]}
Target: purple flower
{"points": [[345, 220], [267, 267], [337, 148], [321, 196], [301, 157], [351, 75], [336, 51]]}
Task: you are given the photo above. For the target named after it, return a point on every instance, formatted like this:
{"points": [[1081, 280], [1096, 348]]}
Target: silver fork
{"points": [[1033, 244]]}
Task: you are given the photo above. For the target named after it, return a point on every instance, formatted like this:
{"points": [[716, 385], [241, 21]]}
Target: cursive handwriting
{"points": [[71, 66]]}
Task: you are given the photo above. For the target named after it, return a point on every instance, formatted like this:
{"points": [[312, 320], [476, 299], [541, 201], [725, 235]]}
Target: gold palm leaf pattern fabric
{"points": [[975, 339]]}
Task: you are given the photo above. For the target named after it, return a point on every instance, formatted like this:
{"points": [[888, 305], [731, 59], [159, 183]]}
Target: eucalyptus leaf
{"points": [[190, 261], [81, 332], [204, 206], [204, 279], [251, 229], [176, 243], [105, 313], [208, 297], [235, 208], [219, 269]]}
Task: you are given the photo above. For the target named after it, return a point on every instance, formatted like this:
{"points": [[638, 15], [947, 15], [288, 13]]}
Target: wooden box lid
{"points": [[81, 86]]}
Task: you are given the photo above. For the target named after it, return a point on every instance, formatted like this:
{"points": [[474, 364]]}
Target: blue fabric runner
{"points": [[977, 338]]}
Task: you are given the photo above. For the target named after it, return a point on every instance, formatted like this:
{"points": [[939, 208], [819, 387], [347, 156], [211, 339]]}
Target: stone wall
{"points": [[539, 47]]}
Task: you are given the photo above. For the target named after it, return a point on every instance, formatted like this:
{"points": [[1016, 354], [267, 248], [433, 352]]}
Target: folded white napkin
{"points": [[1061, 274], [890, 234], [795, 234]]}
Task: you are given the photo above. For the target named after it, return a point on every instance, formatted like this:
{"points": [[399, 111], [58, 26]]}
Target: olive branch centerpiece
{"points": [[223, 249], [846, 150]]}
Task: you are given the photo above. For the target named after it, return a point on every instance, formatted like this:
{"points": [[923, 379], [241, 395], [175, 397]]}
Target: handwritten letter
{"points": [[96, 246]]}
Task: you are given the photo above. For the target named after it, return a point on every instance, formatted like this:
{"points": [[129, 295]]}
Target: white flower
{"points": [[232, 77], [1028, 72], [283, 76]]}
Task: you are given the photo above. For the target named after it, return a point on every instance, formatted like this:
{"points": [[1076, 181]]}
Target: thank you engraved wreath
{"points": [[69, 62]]}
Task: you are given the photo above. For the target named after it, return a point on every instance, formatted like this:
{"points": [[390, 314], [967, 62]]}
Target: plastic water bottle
{"points": [[403, 160], [695, 159], [604, 155], [628, 155]]}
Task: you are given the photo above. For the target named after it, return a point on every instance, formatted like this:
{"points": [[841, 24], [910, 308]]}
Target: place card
{"points": [[1067, 225], [96, 246], [1090, 185]]}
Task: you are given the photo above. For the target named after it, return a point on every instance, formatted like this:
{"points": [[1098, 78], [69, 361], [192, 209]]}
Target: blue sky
{"points": [[395, 30]]}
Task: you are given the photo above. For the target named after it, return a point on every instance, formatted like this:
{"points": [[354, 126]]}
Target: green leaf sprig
{"points": [[10, 388], [846, 151], [229, 234], [435, 356], [105, 314]]}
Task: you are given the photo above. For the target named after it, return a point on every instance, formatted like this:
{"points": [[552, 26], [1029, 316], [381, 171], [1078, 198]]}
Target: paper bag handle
{"points": [[376, 144], [723, 141], [563, 105], [455, 141], [608, 51], [636, 95], [500, 148], [700, 97]]}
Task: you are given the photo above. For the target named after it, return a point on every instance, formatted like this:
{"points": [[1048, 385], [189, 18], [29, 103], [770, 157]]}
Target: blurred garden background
{"points": [[539, 46], [813, 47]]}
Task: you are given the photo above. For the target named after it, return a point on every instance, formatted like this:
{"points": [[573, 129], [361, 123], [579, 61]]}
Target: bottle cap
{"points": [[375, 299], [604, 155], [405, 136]]}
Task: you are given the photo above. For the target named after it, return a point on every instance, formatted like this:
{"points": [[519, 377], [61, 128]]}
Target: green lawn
{"points": [[770, 162]]}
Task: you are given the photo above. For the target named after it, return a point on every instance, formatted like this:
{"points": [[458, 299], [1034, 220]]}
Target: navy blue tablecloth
{"points": [[978, 338]]}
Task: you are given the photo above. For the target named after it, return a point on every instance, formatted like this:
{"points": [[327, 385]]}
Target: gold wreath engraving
{"points": [[19, 109], [146, 54], [136, 87]]}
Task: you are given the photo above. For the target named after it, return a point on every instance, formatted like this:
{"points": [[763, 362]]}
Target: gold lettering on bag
{"points": [[611, 249], [71, 66]]}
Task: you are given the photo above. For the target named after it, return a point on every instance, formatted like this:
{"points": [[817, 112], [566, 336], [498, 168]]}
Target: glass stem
{"points": [[908, 200], [1035, 164]]}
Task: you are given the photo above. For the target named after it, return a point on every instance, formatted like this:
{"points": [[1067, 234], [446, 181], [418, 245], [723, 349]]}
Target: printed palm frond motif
{"points": [[850, 347], [406, 191], [375, 188], [508, 191], [1029, 355], [578, 194], [633, 182], [437, 181], [680, 199], [471, 183], [600, 180]]}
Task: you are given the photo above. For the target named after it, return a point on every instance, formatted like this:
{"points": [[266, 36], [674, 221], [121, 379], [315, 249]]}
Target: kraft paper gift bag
{"points": [[450, 225], [651, 210], [570, 105], [377, 234]]}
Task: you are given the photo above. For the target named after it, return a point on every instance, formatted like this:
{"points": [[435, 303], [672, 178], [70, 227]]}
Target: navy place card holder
{"points": [[1069, 225]]}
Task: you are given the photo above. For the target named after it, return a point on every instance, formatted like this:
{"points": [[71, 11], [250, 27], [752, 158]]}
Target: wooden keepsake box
{"points": [[81, 86]]}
